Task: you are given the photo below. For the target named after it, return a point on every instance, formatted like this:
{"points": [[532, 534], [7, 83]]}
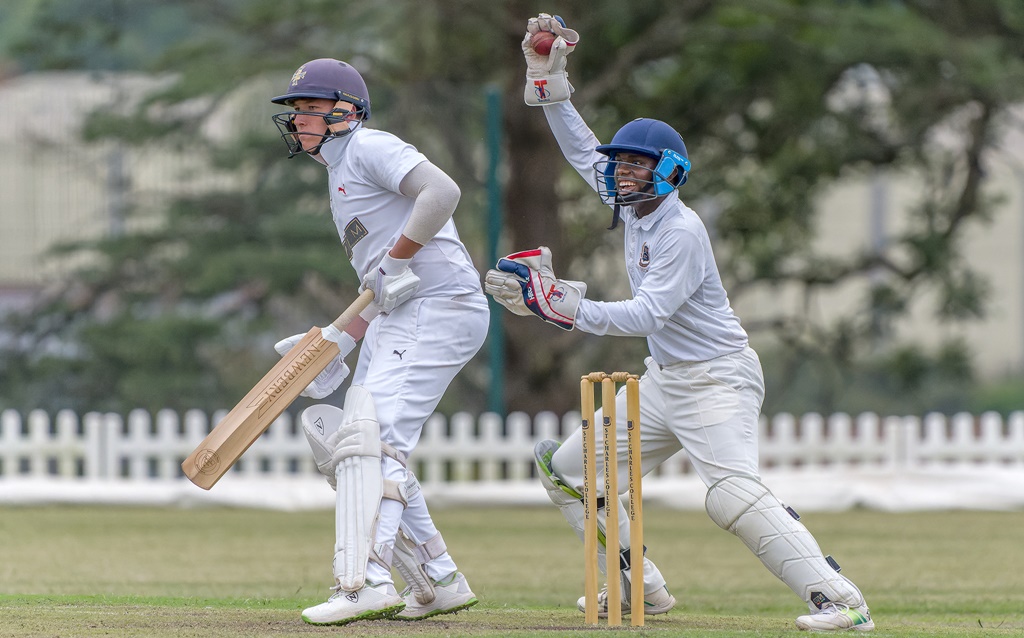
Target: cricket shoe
{"points": [[451, 594], [369, 603], [837, 617], [656, 602]]}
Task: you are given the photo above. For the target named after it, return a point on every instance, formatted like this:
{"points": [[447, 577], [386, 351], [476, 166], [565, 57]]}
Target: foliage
{"points": [[777, 100]]}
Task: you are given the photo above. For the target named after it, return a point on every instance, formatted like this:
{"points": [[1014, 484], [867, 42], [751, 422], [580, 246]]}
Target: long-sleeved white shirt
{"points": [[679, 303]]}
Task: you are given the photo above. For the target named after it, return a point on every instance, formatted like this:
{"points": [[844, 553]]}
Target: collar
{"points": [[664, 208], [334, 148]]}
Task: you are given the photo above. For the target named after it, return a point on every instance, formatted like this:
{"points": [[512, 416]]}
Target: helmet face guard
{"points": [[328, 79], [285, 123], [661, 182], [654, 139]]}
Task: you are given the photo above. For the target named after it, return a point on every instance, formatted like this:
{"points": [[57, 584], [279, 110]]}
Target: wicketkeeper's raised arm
{"points": [[547, 85]]}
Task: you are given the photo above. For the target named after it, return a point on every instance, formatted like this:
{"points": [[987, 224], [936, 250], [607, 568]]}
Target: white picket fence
{"points": [[465, 448]]}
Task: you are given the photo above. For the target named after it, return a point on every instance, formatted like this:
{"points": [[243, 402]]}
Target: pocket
{"points": [[718, 397]]}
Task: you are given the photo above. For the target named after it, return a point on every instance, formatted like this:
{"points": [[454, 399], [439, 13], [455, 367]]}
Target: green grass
{"points": [[102, 571]]}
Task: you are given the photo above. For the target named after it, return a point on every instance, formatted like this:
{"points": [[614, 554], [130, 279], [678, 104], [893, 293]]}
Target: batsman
{"points": [[703, 387], [393, 210]]}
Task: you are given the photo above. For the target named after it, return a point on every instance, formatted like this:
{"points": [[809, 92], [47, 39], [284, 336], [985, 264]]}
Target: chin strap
{"points": [[615, 217]]}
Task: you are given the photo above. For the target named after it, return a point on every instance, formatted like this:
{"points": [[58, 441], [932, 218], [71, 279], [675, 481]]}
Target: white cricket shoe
{"points": [[837, 617], [657, 602], [369, 603], [451, 594]]}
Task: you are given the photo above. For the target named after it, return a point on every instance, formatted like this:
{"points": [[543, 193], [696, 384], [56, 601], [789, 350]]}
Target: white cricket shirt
{"points": [[364, 171], [679, 302]]}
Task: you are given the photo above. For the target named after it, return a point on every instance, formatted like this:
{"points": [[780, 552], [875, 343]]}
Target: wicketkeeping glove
{"points": [[336, 371], [546, 79], [524, 283], [392, 282]]}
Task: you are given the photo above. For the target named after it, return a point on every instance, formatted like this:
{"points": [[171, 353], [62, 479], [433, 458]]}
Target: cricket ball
{"points": [[542, 41]]}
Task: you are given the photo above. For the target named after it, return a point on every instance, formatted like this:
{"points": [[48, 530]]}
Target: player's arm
{"points": [[672, 278], [547, 85], [435, 197], [575, 139]]}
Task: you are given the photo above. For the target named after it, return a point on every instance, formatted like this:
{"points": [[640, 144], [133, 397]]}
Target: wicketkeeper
{"points": [[703, 387]]}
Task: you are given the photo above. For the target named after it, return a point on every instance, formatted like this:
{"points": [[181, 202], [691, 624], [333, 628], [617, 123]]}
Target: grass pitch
{"points": [[104, 571]]}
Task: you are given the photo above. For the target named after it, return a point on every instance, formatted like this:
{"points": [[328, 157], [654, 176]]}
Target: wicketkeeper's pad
{"points": [[745, 507], [570, 503]]}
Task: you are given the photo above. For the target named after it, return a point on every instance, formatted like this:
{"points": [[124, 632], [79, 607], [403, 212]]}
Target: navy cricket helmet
{"points": [[656, 140], [323, 78]]}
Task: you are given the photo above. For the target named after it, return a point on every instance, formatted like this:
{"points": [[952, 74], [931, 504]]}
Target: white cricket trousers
{"points": [[710, 409], [408, 359]]}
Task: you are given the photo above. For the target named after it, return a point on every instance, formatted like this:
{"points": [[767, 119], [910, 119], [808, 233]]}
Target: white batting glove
{"points": [[392, 282], [554, 300], [546, 79], [336, 371]]}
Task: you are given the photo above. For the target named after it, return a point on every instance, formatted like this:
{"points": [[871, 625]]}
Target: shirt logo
{"points": [[645, 256], [354, 233], [341, 189]]}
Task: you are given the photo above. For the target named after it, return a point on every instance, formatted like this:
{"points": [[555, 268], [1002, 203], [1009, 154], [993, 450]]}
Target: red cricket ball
{"points": [[542, 41]]}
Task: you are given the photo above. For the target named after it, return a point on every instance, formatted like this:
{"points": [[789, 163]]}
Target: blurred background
{"points": [[859, 164]]}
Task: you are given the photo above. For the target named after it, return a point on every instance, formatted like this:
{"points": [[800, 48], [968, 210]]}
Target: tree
{"points": [[776, 100]]}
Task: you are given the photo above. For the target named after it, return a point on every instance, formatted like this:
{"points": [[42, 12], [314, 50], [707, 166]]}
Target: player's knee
{"points": [[320, 424], [730, 498], [566, 466], [559, 491]]}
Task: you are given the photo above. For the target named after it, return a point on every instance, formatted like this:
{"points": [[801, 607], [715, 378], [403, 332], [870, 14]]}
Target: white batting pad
{"points": [[410, 566], [360, 488], [320, 424], [745, 507]]}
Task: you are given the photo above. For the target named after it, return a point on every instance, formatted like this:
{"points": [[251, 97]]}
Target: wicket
{"points": [[611, 487]]}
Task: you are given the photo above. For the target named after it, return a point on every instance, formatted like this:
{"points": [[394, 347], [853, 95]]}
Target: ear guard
{"points": [[669, 161]]}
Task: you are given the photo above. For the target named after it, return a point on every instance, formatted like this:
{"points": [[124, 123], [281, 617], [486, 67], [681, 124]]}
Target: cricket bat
{"points": [[251, 417]]}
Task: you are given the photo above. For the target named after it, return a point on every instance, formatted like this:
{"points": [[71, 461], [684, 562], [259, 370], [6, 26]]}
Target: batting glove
{"points": [[392, 282], [336, 371], [546, 79], [554, 300]]}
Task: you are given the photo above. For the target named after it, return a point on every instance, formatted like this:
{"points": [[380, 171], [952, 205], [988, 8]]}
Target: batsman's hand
{"points": [[539, 292], [392, 282], [336, 371], [546, 79]]}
